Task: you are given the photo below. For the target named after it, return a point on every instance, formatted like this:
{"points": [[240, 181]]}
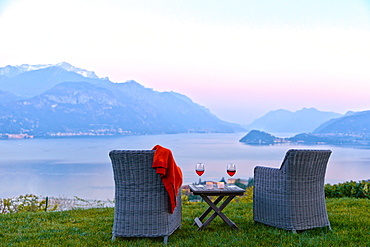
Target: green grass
{"points": [[349, 217]]}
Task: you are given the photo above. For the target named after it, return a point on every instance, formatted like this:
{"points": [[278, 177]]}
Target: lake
{"points": [[69, 167]]}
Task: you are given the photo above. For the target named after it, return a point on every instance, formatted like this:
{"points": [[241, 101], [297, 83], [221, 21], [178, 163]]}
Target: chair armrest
{"points": [[261, 172], [270, 180]]}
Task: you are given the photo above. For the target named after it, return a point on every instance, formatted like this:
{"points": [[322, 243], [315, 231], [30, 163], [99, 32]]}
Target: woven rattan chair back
{"points": [[293, 196], [141, 201]]}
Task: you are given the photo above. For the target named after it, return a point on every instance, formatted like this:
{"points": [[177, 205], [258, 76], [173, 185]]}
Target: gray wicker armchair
{"points": [[292, 197], [141, 200]]}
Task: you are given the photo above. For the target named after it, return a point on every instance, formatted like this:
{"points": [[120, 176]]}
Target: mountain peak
{"points": [[83, 72], [311, 109], [12, 71]]}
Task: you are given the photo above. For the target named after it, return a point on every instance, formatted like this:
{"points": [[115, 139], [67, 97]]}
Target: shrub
{"points": [[348, 189], [27, 203]]}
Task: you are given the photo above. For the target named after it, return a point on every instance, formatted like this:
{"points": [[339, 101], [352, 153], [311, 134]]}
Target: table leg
{"points": [[209, 209], [221, 214], [213, 206]]}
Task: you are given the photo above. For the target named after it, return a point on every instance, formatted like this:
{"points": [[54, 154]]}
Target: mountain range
{"points": [[352, 123], [60, 99], [284, 121], [44, 100], [352, 129]]}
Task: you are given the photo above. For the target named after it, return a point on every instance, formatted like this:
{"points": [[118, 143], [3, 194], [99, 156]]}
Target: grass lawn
{"points": [[350, 220]]}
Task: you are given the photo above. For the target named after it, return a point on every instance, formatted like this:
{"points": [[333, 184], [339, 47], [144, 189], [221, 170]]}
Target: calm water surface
{"points": [[81, 167]]}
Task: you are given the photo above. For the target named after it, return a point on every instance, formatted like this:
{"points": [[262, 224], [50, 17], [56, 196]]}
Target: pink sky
{"points": [[240, 59]]}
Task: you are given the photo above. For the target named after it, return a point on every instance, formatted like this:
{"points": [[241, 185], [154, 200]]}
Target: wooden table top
{"points": [[229, 189]]}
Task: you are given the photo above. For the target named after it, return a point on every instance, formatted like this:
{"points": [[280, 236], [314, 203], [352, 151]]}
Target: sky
{"points": [[238, 58]]}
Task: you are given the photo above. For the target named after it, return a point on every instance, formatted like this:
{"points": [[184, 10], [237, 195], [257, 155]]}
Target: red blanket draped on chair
{"points": [[170, 173]]}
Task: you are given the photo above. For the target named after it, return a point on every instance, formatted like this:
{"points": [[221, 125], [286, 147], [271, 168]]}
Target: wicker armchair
{"points": [[292, 197], [141, 200]]}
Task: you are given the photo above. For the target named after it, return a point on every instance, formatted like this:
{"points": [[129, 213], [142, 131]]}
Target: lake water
{"points": [[69, 167]]}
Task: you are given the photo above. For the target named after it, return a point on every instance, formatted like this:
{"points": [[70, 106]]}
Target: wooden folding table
{"points": [[230, 191]]}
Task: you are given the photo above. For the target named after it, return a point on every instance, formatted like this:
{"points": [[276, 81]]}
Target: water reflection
{"points": [[81, 166]]}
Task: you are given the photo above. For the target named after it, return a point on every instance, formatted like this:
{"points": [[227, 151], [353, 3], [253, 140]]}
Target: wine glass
{"points": [[199, 169], [231, 169]]}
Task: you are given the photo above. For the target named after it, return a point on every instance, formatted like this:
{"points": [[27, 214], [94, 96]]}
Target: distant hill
{"points": [[353, 129], [284, 121], [256, 137], [353, 123], [259, 138], [7, 97], [57, 100]]}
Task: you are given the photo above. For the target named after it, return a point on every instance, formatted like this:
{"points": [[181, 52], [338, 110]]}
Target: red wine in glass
{"points": [[231, 173], [199, 169], [231, 169], [200, 173]]}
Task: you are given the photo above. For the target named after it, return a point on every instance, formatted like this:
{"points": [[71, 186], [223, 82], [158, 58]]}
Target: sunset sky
{"points": [[238, 58]]}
